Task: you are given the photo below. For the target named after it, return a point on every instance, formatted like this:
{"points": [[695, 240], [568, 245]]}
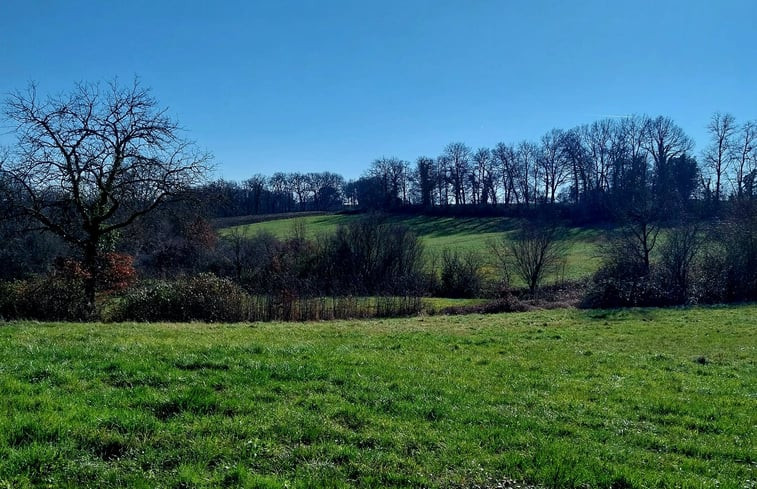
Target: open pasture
{"points": [[562, 398]]}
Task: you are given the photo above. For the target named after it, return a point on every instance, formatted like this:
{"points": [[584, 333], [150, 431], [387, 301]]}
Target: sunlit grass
{"points": [[565, 398], [463, 234]]}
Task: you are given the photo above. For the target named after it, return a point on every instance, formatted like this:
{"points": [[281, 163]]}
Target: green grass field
{"points": [[563, 398], [454, 233]]}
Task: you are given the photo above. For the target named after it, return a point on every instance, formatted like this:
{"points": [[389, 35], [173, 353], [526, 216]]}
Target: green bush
{"points": [[209, 298], [460, 275], [47, 298], [203, 297], [624, 279]]}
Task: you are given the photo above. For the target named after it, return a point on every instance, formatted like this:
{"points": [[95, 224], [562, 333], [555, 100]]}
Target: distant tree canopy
{"points": [[595, 169], [281, 192]]}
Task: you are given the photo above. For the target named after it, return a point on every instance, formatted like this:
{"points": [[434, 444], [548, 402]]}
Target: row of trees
{"points": [[281, 192], [596, 168]]}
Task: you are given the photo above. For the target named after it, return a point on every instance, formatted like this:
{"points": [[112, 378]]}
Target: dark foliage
{"points": [[202, 298], [45, 298], [460, 275]]}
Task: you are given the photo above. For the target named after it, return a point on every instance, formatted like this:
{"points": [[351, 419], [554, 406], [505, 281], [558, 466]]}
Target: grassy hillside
{"points": [[439, 233], [565, 398]]}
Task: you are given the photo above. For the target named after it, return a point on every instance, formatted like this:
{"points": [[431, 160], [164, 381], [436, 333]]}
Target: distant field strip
{"points": [[440, 233], [562, 398]]}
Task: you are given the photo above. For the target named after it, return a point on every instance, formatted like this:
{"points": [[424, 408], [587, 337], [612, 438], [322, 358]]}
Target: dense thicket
{"points": [[690, 262], [367, 267]]}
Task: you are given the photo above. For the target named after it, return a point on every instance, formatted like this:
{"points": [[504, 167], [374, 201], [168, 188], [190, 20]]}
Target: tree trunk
{"points": [[91, 279]]}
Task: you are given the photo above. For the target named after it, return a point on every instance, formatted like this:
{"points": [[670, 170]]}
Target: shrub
{"points": [[47, 298], [460, 275], [738, 241], [370, 256], [203, 297], [117, 272], [611, 287], [678, 255], [537, 251], [630, 276], [624, 279], [247, 259], [8, 295]]}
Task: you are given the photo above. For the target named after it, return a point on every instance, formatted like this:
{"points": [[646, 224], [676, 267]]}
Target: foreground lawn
{"points": [[640, 398], [464, 234]]}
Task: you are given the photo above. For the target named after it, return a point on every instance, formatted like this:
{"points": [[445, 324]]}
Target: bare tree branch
{"points": [[94, 160]]}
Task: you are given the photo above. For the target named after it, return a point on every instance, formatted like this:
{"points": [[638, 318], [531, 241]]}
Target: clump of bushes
{"points": [[209, 298], [691, 265], [368, 256], [371, 256], [204, 297], [636, 271], [45, 298], [460, 275], [60, 294]]}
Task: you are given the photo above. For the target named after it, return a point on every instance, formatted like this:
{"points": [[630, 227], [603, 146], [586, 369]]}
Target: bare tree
{"points": [[575, 158], [457, 156], [281, 186], [327, 189], [442, 180], [527, 171], [599, 141], [677, 256], [553, 163], [664, 140], [503, 156], [91, 162], [255, 187], [632, 131], [392, 173], [745, 156], [718, 155], [490, 181], [480, 176], [424, 179], [536, 251], [639, 231], [300, 185]]}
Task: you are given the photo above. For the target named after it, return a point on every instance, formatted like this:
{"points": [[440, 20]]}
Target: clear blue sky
{"points": [[331, 85]]}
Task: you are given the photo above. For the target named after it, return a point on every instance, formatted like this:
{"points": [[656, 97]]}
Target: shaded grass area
{"points": [[464, 234], [225, 222], [564, 398]]}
